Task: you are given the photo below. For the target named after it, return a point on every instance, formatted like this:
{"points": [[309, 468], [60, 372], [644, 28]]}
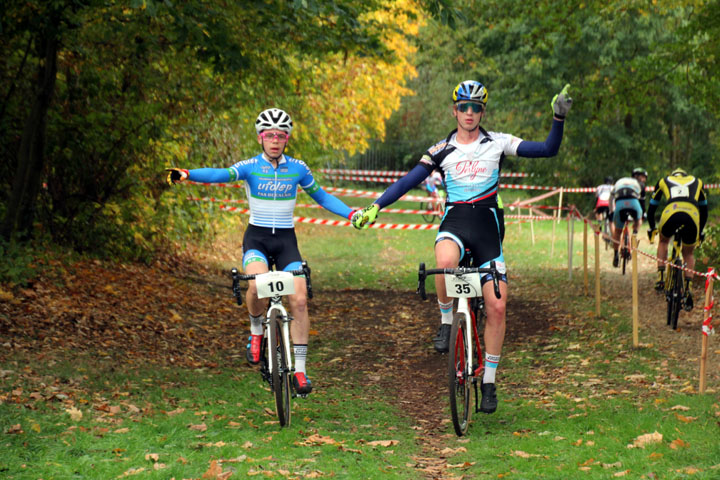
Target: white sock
{"points": [[491, 363], [256, 324], [446, 312], [300, 353]]}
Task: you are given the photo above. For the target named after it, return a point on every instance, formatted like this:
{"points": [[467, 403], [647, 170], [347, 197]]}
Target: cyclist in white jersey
{"points": [[271, 183], [470, 159]]}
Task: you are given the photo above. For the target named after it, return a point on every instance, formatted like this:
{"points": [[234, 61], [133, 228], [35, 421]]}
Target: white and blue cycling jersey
{"points": [[472, 172], [272, 191]]}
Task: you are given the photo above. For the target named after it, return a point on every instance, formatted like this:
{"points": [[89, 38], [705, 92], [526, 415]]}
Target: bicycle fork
{"points": [[472, 369]]}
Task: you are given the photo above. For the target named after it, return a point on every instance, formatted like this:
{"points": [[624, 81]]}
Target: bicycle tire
{"points": [[459, 384], [677, 294], [624, 250], [428, 217], [669, 293], [280, 372]]}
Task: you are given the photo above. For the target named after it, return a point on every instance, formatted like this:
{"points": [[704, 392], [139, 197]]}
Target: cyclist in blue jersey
{"points": [[625, 203], [470, 159], [271, 184]]}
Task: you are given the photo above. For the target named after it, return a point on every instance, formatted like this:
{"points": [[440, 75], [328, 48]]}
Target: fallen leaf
{"points": [[646, 439], [75, 414], [383, 443], [152, 456], [15, 429], [680, 407], [685, 419], [621, 474], [678, 443], [198, 428], [612, 465]]}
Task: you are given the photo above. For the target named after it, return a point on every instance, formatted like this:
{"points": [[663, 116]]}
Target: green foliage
{"points": [[708, 253], [19, 262], [638, 101]]}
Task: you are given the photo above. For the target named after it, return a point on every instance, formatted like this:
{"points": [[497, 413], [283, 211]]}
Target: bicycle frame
{"points": [[276, 305]]}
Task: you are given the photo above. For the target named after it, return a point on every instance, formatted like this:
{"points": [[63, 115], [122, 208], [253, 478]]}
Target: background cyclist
{"points": [[470, 159], [602, 199], [271, 183], [640, 174], [625, 203], [432, 185], [687, 208]]}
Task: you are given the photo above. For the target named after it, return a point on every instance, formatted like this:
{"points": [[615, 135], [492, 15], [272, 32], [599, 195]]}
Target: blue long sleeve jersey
{"points": [[272, 192], [472, 172]]}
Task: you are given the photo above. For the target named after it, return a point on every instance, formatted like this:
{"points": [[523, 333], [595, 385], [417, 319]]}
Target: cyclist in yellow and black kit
{"points": [[687, 208]]}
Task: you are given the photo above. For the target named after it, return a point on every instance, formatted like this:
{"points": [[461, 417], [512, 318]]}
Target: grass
{"points": [[172, 422], [571, 400]]}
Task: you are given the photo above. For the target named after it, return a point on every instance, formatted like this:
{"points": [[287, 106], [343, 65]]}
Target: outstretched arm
{"points": [[548, 148], [560, 105], [403, 185], [330, 202]]}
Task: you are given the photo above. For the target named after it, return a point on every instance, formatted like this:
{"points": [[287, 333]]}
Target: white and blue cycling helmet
{"points": [[273, 119], [470, 91]]}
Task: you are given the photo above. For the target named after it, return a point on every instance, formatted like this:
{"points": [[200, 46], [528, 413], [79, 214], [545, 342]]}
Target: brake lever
{"points": [[496, 282], [421, 282], [306, 269], [236, 285]]}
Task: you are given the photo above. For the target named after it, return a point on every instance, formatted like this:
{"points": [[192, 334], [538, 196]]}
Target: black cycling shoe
{"points": [[442, 339], [616, 259], [688, 303], [660, 286], [489, 402]]}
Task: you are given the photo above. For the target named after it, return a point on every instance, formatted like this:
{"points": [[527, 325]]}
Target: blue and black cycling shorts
{"points": [[275, 247], [625, 208], [480, 230]]}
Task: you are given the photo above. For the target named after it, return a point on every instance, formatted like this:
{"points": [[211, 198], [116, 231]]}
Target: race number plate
{"points": [[275, 283], [463, 286]]}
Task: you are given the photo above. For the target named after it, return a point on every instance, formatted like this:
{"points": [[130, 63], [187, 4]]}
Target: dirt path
{"points": [[389, 341], [171, 314]]}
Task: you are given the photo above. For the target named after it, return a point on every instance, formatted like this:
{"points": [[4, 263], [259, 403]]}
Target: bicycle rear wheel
{"points": [[280, 372], [677, 293], [459, 383], [625, 250], [429, 207]]}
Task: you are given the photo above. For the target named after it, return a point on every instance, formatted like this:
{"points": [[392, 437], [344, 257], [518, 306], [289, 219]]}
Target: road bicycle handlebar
{"points": [[424, 273], [237, 276]]}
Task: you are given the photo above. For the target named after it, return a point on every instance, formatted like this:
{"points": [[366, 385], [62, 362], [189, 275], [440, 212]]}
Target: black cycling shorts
{"points": [[478, 229], [278, 249]]}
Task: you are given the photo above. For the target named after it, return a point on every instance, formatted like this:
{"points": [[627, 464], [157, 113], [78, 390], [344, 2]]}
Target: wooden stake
{"points": [[597, 275], [707, 315], [585, 258], [635, 311]]}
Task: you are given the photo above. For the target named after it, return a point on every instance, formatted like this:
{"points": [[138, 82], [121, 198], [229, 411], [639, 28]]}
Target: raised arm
{"points": [[561, 105]]}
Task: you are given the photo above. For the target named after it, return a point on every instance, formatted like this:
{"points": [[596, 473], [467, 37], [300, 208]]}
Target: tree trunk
{"points": [[31, 155]]}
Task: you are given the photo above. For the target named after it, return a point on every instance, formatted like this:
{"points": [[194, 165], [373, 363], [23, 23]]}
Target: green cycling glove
{"points": [[365, 217], [561, 103]]}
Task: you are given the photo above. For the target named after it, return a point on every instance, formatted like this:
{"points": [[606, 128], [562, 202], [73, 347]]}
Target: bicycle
{"points": [[674, 285], [276, 362], [625, 251], [435, 206], [606, 229], [465, 358]]}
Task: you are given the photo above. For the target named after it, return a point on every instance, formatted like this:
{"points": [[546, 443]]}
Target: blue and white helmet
{"points": [[273, 119], [470, 90]]}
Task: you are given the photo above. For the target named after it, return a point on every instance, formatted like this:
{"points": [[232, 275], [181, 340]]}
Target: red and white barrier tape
{"points": [[396, 173], [707, 327], [597, 231]]}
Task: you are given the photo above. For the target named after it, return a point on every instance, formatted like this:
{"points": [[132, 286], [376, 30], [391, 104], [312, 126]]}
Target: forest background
{"points": [[97, 98]]}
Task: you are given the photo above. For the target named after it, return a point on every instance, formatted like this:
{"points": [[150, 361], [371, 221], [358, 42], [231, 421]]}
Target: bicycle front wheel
{"points": [[280, 371], [459, 383], [625, 252], [677, 293], [428, 207]]}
